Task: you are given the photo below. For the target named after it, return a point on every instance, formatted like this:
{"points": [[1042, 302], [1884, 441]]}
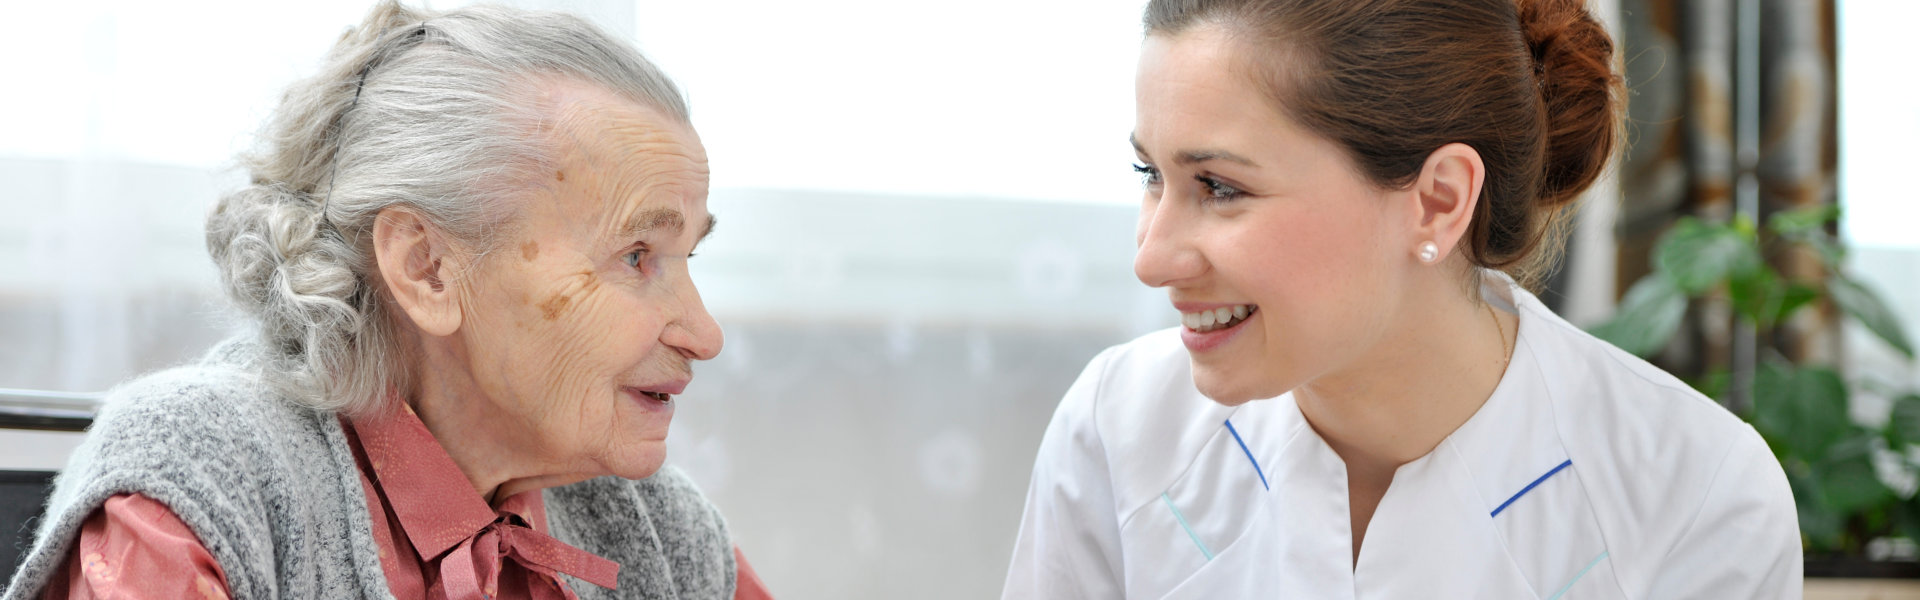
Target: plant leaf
{"points": [[1803, 220], [1797, 295], [1698, 256], [1808, 226], [1647, 317], [1866, 306], [1847, 478], [1802, 409], [1820, 524], [1904, 420], [1753, 296], [1832, 254], [1765, 299]]}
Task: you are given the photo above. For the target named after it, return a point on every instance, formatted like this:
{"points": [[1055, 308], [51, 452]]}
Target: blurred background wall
{"points": [[1744, 110], [927, 230]]}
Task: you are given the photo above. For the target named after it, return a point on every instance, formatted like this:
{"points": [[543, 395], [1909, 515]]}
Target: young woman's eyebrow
{"points": [[1192, 157]]}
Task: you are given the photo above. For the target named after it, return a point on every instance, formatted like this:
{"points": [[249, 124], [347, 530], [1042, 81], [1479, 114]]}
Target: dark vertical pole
{"points": [[1746, 205]]}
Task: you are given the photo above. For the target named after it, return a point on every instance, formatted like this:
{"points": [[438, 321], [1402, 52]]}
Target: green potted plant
{"points": [[1838, 468]]}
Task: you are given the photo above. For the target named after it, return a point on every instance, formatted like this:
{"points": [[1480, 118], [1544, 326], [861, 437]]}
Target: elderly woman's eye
{"points": [[633, 258]]}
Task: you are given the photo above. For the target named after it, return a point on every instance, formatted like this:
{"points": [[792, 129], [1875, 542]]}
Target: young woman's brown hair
{"points": [[1530, 85]]}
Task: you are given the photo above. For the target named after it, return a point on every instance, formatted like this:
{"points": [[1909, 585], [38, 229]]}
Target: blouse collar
{"points": [[439, 510]]}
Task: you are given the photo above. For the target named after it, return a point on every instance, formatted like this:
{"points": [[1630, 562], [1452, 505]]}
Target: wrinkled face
{"points": [[1267, 239], [585, 320]]}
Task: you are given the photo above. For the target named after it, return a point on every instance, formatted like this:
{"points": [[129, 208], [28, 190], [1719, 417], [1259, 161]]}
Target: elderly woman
{"points": [[465, 246]]}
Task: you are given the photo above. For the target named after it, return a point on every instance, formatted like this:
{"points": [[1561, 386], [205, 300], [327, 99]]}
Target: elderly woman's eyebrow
{"points": [[648, 221]]}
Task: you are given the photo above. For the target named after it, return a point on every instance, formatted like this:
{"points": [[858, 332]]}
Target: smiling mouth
{"points": [[661, 397], [1219, 318]]}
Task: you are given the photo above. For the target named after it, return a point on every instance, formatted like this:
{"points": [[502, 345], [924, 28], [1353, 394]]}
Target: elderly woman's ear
{"points": [[415, 262]]}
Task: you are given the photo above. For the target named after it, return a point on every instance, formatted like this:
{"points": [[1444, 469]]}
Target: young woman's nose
{"points": [[1167, 254]]}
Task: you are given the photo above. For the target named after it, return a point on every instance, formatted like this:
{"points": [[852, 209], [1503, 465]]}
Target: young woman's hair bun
{"points": [[1579, 91]]}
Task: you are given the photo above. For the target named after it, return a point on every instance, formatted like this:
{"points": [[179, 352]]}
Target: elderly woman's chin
{"points": [[637, 462], [636, 443]]}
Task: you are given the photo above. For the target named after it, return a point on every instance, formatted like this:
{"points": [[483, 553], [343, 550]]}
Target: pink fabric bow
{"points": [[472, 569], [447, 522]]}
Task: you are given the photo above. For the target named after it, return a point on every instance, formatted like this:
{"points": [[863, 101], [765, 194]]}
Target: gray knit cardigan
{"points": [[272, 491]]}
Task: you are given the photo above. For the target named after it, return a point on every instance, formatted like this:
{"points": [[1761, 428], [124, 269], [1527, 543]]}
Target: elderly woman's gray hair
{"points": [[440, 113]]}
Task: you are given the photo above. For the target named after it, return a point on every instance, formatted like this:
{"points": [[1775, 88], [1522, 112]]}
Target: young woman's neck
{"points": [[1440, 361], [1444, 355]]}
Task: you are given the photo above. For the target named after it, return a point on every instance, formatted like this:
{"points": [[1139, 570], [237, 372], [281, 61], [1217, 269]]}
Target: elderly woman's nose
{"points": [[696, 335], [1166, 254]]}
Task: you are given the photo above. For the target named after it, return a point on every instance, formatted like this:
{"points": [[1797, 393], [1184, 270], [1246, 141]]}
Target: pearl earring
{"points": [[1429, 252]]}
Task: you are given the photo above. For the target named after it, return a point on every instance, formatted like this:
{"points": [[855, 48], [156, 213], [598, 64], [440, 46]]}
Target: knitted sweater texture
{"points": [[272, 491]]}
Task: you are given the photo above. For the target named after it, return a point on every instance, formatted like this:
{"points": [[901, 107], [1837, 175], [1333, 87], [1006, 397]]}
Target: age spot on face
{"points": [[555, 305], [530, 250], [559, 175], [560, 301]]}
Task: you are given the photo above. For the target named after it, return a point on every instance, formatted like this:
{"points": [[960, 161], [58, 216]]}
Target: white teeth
{"points": [[1219, 318]]}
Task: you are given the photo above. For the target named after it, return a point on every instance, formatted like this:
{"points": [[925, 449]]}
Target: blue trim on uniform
{"points": [[1576, 578], [1250, 458], [1529, 488], [1183, 525]]}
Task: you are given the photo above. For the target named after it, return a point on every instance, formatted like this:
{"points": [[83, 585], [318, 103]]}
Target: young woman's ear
{"points": [[1446, 195]]}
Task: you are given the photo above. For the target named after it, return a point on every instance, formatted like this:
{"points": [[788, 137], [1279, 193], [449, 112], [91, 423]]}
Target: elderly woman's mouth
{"points": [[662, 392]]}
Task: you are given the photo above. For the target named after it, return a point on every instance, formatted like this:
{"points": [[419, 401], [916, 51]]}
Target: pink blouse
{"points": [[134, 547], [437, 538]]}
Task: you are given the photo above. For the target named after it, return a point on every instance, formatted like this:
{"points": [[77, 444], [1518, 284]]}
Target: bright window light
{"points": [[1879, 123]]}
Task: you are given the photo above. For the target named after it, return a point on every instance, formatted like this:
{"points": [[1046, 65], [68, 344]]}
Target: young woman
{"points": [[1362, 403]]}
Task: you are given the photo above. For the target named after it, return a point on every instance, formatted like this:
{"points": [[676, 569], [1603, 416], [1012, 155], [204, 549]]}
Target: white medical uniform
{"points": [[1588, 473]]}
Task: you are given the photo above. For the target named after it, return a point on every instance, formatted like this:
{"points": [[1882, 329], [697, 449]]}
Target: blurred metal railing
{"points": [[47, 410]]}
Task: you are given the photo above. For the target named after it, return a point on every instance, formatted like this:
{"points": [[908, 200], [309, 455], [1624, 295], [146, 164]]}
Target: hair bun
{"points": [[280, 267], [1579, 93]]}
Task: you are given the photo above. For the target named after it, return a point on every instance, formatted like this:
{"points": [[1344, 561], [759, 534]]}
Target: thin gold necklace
{"points": [[1506, 355]]}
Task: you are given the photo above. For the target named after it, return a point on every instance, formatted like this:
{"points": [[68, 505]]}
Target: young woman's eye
{"points": [[1148, 175], [1218, 191]]}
